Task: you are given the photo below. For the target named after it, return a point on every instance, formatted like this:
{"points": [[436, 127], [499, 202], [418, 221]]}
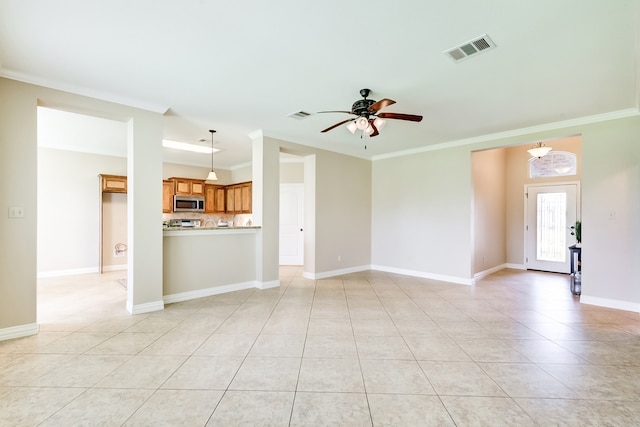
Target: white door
{"points": [[551, 210], [291, 227]]}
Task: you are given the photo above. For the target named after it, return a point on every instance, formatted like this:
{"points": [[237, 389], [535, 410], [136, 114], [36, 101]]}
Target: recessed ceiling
{"points": [[241, 66]]}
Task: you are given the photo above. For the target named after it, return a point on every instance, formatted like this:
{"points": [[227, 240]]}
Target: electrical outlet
{"points": [[16, 212]]}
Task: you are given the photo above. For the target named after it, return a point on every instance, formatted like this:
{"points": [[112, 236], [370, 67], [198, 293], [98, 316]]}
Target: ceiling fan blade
{"points": [[348, 112], [336, 125], [375, 107], [375, 129], [400, 116]]}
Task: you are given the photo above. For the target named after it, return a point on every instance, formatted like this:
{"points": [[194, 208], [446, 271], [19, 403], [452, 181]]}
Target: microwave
{"points": [[188, 204]]}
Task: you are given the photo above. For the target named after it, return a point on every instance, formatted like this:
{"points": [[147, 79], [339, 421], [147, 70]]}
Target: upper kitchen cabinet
{"points": [[214, 199], [113, 183], [188, 187], [239, 198], [167, 196]]}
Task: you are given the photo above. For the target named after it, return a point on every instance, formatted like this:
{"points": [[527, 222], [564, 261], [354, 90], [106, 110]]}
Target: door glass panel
{"points": [[552, 227]]}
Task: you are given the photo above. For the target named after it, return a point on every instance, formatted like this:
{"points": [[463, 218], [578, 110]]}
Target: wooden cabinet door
{"points": [[197, 188], [209, 198], [182, 186], [230, 199], [220, 195], [114, 184], [245, 190], [237, 198], [167, 196]]}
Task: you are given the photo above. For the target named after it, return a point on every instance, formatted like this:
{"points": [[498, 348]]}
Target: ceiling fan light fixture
{"points": [[352, 127], [539, 150], [368, 131], [379, 123], [362, 123]]}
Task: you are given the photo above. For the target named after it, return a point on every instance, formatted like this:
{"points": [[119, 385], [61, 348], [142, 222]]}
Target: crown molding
{"points": [[614, 115], [78, 90]]}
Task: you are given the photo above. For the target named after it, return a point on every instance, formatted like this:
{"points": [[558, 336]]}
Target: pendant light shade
{"points": [[212, 174], [539, 150]]}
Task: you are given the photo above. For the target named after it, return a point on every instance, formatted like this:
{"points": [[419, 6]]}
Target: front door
{"points": [[551, 210]]}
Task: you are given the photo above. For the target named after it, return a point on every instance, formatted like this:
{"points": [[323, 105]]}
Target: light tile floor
{"points": [[368, 348]]}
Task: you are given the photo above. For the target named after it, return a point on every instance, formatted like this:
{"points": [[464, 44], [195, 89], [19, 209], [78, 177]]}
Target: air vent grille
{"points": [[465, 50], [299, 115]]}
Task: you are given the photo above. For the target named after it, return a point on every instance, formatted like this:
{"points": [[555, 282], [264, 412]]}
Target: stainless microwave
{"points": [[188, 204]]}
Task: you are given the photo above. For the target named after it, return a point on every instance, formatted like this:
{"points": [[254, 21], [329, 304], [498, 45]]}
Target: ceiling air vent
{"points": [[299, 115], [465, 50]]}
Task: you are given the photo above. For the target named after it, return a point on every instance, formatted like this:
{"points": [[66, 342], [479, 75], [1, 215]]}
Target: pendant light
{"points": [[212, 175], [539, 150]]}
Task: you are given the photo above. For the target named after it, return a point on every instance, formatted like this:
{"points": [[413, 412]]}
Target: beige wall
{"points": [[489, 209], [69, 210], [517, 176], [18, 187], [421, 214], [611, 214], [337, 208], [291, 172], [18, 177], [114, 231], [421, 205]]}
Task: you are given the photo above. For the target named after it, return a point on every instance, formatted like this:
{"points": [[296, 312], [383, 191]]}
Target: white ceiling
{"points": [[241, 66]]}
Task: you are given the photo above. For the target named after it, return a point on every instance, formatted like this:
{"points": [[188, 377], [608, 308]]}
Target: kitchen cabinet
{"points": [[188, 187], [214, 198], [239, 198], [167, 196], [113, 183]]}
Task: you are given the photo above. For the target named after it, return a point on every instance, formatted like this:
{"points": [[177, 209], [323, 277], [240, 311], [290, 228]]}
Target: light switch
{"points": [[16, 212]]}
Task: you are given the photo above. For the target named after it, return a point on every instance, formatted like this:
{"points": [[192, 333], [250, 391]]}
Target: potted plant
{"points": [[576, 230]]}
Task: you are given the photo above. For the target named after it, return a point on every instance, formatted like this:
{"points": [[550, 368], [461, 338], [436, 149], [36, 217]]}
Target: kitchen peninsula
{"points": [[200, 262]]}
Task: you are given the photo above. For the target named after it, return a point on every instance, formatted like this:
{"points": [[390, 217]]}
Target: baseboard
{"points": [[489, 271], [207, 292], [145, 308], [18, 331], [425, 275], [610, 303], [516, 266], [116, 267], [326, 274], [70, 272], [268, 285]]}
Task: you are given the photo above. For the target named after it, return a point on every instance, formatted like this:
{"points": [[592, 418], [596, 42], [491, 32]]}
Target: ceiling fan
{"points": [[368, 118]]}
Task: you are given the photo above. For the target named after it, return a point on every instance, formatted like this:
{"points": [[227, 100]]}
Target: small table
{"points": [[576, 274]]}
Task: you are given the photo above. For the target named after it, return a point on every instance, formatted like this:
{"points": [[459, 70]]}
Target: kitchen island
{"points": [[199, 262]]}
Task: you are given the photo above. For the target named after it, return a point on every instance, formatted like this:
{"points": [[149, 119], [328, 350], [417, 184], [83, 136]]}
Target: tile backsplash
{"points": [[208, 220]]}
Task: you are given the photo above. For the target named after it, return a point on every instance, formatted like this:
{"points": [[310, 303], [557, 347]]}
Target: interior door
{"points": [[291, 224], [551, 210]]}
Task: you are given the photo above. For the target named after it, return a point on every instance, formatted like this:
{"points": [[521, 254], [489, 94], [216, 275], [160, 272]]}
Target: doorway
{"points": [[291, 224], [549, 212]]}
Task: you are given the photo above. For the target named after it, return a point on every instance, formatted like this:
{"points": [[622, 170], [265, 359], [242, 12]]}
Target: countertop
{"points": [[194, 231]]}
